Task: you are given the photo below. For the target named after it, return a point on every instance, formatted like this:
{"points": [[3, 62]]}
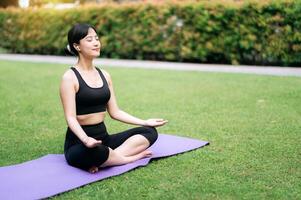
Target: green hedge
{"points": [[251, 33]]}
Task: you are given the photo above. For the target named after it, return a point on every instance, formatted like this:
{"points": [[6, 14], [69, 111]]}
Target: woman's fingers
{"points": [[164, 121], [97, 142], [160, 122], [156, 122], [93, 142]]}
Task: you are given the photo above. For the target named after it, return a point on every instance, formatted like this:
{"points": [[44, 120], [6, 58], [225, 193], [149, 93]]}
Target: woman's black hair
{"points": [[75, 34]]}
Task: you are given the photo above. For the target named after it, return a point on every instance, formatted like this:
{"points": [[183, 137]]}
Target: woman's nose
{"points": [[96, 43]]}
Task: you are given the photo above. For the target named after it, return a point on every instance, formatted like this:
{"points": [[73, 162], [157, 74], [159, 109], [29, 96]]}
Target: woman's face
{"points": [[90, 45]]}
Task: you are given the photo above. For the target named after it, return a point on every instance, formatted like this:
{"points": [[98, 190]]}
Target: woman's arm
{"points": [[67, 94], [116, 113]]}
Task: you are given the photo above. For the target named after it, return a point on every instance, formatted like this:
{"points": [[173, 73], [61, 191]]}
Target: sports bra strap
{"points": [[104, 80], [78, 76]]}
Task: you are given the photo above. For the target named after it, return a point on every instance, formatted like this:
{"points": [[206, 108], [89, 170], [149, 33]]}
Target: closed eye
{"points": [[90, 38]]}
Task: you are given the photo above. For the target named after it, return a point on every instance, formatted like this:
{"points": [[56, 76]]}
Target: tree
{"points": [[7, 3]]}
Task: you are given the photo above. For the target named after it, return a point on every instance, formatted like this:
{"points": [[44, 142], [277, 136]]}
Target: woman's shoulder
{"points": [[106, 74], [68, 75]]}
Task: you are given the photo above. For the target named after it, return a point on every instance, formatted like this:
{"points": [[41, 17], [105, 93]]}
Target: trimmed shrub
{"points": [[266, 33]]}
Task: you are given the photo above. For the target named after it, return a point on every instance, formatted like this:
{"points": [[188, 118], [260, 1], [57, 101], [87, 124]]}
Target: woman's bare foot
{"points": [[146, 154], [93, 170], [116, 158], [143, 154]]}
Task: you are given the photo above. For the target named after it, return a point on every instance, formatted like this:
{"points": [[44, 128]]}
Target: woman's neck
{"points": [[85, 64]]}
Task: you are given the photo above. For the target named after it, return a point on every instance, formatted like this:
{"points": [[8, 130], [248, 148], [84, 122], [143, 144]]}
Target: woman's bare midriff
{"points": [[90, 119]]}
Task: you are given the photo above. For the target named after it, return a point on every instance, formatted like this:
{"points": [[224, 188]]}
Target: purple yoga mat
{"points": [[51, 175]]}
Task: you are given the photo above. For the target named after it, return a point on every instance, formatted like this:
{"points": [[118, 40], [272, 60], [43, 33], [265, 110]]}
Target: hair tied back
{"points": [[68, 50]]}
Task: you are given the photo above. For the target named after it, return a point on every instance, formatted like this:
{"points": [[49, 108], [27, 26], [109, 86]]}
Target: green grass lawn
{"points": [[253, 124]]}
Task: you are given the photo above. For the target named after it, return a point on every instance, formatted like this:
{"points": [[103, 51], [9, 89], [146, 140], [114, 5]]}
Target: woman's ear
{"points": [[76, 46]]}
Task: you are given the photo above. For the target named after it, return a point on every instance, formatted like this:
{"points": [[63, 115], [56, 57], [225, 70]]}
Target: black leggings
{"points": [[80, 156]]}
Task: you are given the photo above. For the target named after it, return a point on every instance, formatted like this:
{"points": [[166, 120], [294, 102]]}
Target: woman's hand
{"points": [[155, 122], [91, 142]]}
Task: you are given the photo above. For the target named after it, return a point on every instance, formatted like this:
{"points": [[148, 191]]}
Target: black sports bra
{"points": [[91, 100]]}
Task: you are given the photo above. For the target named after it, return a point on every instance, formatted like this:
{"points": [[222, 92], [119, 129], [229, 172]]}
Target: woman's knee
{"points": [[84, 158], [151, 134], [100, 154]]}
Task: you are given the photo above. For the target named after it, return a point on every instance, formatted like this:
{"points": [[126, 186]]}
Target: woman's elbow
{"points": [[70, 119], [113, 114]]}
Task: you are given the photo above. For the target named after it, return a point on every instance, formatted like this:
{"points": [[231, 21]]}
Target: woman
{"points": [[87, 93]]}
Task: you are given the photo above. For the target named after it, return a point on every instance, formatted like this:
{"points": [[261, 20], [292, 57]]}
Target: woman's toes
{"points": [[148, 153], [93, 169]]}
